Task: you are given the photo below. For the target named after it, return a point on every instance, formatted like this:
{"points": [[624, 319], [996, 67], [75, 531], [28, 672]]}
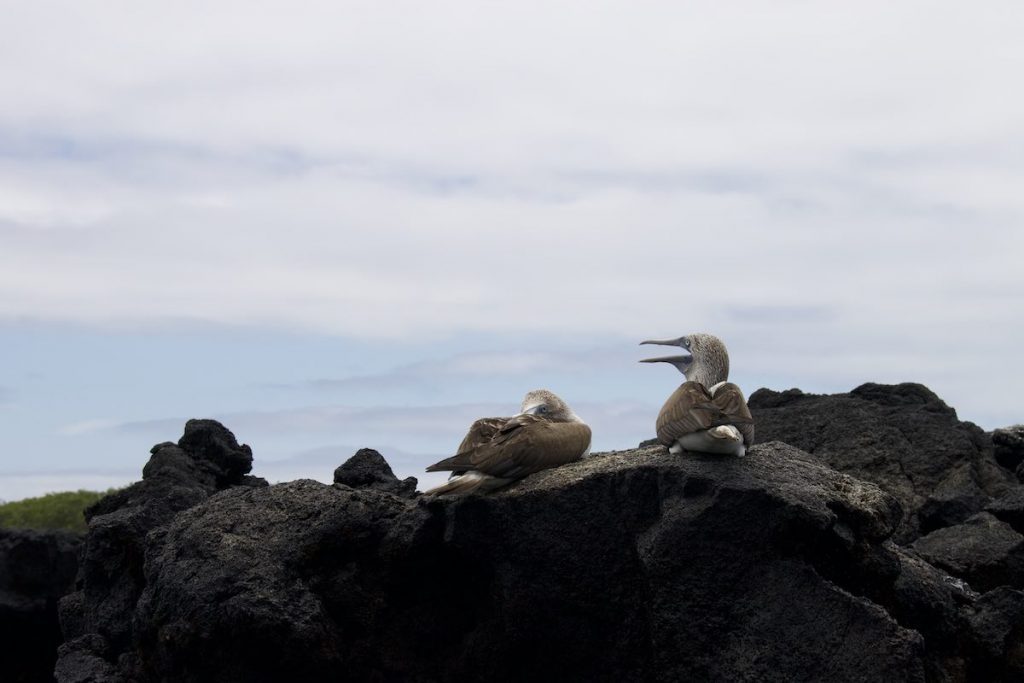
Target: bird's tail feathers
{"points": [[459, 461], [470, 482]]}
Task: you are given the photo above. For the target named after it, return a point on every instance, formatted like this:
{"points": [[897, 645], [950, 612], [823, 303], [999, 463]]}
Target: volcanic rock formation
{"points": [[901, 437], [629, 566], [126, 526]]}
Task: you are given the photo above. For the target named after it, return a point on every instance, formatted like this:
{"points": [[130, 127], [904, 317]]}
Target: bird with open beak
{"points": [[497, 451], [707, 413]]}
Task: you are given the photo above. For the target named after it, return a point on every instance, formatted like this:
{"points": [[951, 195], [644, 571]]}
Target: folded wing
{"points": [[481, 431], [692, 408], [479, 434], [522, 445]]}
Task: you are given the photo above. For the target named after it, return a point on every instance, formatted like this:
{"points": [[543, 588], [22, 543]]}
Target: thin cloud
{"points": [[86, 427], [400, 425], [473, 364], [330, 419], [810, 170], [783, 314]]}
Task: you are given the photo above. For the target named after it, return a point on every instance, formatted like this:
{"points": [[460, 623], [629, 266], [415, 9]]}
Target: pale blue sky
{"points": [[364, 225]]}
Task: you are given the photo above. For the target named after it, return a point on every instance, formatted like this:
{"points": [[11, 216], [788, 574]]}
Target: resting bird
{"points": [[498, 450], [706, 413]]}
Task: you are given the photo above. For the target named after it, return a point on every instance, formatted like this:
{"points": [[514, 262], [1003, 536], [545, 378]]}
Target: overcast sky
{"points": [[335, 225]]}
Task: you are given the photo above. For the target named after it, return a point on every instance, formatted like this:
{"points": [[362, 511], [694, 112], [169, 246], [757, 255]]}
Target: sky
{"points": [[361, 224]]}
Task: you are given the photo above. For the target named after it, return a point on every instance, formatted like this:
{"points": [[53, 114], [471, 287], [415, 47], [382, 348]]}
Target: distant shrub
{"points": [[52, 511]]}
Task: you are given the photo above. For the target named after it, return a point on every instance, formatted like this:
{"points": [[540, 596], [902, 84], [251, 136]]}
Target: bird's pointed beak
{"points": [[675, 360], [665, 342], [666, 359]]}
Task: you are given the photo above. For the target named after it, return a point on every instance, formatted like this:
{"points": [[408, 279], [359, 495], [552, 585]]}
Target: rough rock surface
{"points": [[996, 623], [97, 618], [36, 569], [901, 437], [368, 469], [1009, 507], [984, 551], [1009, 446], [628, 566]]}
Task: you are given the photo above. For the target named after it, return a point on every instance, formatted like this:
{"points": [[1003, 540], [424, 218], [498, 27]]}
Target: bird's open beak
{"points": [[667, 359], [678, 341]]}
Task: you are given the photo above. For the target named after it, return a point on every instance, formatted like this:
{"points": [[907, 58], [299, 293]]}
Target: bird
{"points": [[497, 451], [707, 413]]}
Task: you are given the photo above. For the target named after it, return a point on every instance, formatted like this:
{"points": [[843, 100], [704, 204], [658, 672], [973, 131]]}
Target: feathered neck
{"points": [[709, 370]]}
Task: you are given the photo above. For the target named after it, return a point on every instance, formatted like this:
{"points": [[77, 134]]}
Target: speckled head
{"points": [[545, 404], [706, 360]]}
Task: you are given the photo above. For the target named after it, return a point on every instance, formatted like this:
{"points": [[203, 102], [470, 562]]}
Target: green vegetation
{"points": [[52, 511]]}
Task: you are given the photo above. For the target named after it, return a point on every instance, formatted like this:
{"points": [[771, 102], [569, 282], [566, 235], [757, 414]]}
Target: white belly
{"points": [[725, 440]]}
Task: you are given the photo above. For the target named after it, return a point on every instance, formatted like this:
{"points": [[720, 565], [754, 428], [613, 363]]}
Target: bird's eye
{"points": [[542, 409]]}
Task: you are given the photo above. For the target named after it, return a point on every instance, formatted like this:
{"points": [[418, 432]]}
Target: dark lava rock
{"points": [[1009, 507], [125, 523], [996, 624], [984, 551], [368, 469], [901, 437], [85, 660], [957, 497], [210, 443], [629, 566], [36, 569], [1009, 446]]}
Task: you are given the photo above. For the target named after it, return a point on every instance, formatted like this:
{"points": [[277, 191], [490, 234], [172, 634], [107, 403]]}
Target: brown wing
{"points": [[691, 408], [479, 434], [527, 444], [733, 410], [481, 431], [678, 417]]}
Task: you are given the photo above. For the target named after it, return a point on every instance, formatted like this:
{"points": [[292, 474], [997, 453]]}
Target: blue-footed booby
{"points": [[707, 413], [498, 450]]}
